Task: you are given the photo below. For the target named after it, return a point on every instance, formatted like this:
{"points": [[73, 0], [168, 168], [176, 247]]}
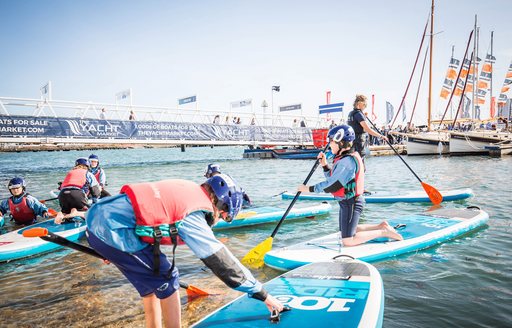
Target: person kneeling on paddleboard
{"points": [[75, 187], [213, 170], [129, 228], [99, 174], [345, 180], [24, 208]]}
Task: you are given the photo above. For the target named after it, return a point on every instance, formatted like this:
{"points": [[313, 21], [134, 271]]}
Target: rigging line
{"points": [[412, 73], [419, 87]]}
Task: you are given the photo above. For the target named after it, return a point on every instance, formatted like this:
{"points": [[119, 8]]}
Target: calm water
{"points": [[466, 282]]}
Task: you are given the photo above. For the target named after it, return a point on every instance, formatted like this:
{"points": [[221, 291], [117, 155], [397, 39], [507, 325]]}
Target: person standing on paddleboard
{"points": [[128, 229], [345, 180], [356, 120], [24, 208]]}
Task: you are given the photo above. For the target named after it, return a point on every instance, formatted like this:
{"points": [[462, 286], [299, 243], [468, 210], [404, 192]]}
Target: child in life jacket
{"points": [[24, 208], [213, 170], [75, 187], [99, 174], [345, 180], [128, 228]]}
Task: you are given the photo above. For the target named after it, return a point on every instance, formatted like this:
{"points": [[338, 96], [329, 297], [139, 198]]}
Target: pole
{"points": [[430, 66]]}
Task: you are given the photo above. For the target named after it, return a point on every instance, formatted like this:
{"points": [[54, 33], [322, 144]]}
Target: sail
{"points": [[462, 78], [505, 91], [449, 80], [484, 82]]}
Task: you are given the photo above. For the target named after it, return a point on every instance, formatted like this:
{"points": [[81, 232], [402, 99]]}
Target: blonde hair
{"points": [[359, 98]]}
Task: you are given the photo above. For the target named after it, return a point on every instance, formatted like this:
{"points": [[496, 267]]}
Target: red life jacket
{"points": [[356, 184], [21, 213], [97, 175], [75, 178], [165, 203]]}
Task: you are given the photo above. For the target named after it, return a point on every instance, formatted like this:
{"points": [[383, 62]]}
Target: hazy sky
{"points": [[224, 51]]}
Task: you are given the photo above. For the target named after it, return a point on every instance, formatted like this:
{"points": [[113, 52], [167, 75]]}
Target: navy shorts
{"points": [[350, 211], [138, 268]]}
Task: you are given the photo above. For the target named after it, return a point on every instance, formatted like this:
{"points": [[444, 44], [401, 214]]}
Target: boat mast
{"points": [[430, 65], [490, 86], [475, 53]]}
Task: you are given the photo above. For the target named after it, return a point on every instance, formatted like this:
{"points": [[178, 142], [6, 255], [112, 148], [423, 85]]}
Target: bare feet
{"points": [[390, 232], [384, 225], [58, 218]]}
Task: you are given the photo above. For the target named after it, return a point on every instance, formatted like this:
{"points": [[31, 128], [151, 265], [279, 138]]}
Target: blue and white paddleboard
{"points": [[14, 246], [419, 231], [419, 196], [337, 293], [260, 215]]}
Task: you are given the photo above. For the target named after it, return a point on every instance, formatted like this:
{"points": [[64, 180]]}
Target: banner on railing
{"points": [[61, 127], [187, 100]]}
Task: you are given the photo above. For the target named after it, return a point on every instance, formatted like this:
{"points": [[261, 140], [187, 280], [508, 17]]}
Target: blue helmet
{"points": [[211, 169], [93, 157], [82, 161], [229, 195], [16, 183], [341, 133]]}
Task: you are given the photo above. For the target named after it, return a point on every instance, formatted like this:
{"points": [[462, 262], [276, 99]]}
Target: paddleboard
{"points": [[261, 215], [14, 246], [419, 196], [337, 293], [419, 231]]}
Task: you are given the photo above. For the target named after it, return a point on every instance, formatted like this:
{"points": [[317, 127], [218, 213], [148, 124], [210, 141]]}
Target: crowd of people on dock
{"points": [[127, 229]]}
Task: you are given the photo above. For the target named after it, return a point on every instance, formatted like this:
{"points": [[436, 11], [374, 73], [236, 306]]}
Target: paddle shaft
{"points": [[47, 200], [396, 152], [51, 237], [297, 195]]}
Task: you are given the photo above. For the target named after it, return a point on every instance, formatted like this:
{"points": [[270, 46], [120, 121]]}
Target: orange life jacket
{"points": [[356, 184], [165, 203], [75, 178], [21, 213]]}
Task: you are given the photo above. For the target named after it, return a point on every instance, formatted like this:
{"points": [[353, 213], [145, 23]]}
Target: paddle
{"points": [[435, 196], [47, 200], [255, 256], [43, 233]]}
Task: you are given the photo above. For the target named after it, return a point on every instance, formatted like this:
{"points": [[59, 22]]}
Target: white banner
{"points": [[241, 103]]}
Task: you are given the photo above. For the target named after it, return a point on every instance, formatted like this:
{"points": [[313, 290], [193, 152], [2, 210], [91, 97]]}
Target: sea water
{"points": [[466, 282]]}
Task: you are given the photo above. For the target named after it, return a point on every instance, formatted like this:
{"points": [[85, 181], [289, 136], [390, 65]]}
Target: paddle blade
{"points": [[52, 212], [254, 258], [245, 215], [35, 232], [435, 196]]}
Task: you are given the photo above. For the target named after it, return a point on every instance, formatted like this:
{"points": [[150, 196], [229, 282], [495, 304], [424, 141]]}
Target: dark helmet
{"points": [[341, 133], [16, 183], [211, 169], [93, 157], [82, 161], [229, 195]]}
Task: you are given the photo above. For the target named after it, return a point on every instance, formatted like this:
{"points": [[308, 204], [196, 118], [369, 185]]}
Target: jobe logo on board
{"points": [[321, 298]]}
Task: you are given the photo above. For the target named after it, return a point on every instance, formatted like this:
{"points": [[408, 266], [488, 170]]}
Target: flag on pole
{"points": [[276, 88], [390, 110], [46, 91], [374, 117], [123, 94], [187, 100], [404, 115]]}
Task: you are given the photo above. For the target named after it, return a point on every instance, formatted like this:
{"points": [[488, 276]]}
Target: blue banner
{"points": [[187, 100], [66, 127], [330, 108], [390, 112]]}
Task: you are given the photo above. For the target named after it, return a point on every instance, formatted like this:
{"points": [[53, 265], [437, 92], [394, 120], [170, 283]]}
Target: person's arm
{"points": [[36, 206], [369, 130], [198, 236], [103, 178], [4, 207]]}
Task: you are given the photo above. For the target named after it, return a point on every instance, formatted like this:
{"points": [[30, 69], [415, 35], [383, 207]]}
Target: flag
{"points": [[330, 108], [449, 80], [123, 94], [290, 107], [187, 100], [328, 97], [276, 88], [46, 91], [404, 115], [389, 112], [374, 117]]}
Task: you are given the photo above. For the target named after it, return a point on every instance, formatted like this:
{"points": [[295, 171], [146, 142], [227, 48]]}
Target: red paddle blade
{"points": [[35, 232], [435, 196], [52, 212], [195, 292]]}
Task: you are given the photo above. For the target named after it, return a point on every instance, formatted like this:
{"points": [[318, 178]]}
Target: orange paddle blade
{"points": [[435, 196], [35, 232], [52, 212]]}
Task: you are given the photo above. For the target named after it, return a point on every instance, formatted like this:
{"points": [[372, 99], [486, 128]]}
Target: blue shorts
{"points": [[138, 268], [350, 211]]}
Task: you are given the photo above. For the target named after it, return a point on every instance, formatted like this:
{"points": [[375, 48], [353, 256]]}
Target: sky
{"points": [[225, 51]]}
